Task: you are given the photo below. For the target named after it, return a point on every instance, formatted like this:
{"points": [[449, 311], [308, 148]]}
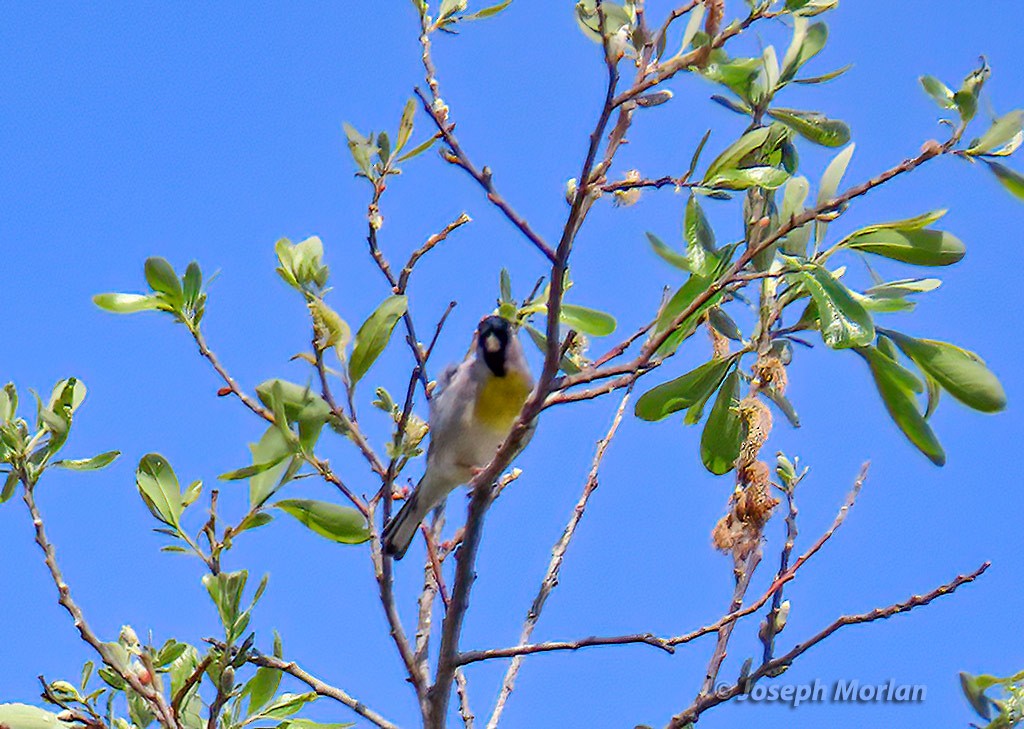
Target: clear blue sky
{"points": [[207, 131]]}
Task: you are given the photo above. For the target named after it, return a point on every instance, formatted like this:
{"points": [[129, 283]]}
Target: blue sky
{"points": [[208, 131]]}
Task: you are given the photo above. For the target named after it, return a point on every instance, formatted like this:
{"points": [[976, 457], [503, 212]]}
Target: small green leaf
{"points": [[1003, 129], [488, 12], [10, 483], [678, 260], [942, 94], [589, 321], [961, 373], [261, 688], [700, 239], [337, 523], [903, 287], [735, 152], [418, 149], [829, 186], [373, 336], [682, 392], [225, 590], [807, 42], [128, 303], [89, 464], [891, 381], [162, 279], [273, 447], [159, 488], [405, 126], [192, 283], [813, 126], [23, 716], [769, 178], [723, 433], [844, 322], [1010, 179], [360, 148], [918, 247]]}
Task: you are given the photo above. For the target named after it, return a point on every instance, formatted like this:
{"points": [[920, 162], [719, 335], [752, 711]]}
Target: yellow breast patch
{"points": [[500, 399]]}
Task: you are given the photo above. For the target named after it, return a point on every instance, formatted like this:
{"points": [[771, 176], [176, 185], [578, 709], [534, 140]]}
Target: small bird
{"points": [[472, 413]]}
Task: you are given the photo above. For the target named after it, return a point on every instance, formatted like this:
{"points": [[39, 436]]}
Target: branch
{"points": [[406, 272], [458, 157], [768, 668], [152, 697], [646, 357], [557, 556], [321, 688], [669, 644]]}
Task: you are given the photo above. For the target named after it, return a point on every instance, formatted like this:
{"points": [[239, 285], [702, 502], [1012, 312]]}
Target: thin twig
{"points": [[554, 567], [723, 694], [153, 698], [321, 688], [669, 644], [458, 157], [406, 272]]}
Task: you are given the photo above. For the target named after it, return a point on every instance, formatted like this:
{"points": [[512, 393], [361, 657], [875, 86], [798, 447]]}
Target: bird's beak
{"points": [[491, 343]]}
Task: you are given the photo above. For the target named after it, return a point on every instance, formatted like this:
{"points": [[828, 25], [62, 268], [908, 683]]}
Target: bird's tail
{"points": [[398, 532]]}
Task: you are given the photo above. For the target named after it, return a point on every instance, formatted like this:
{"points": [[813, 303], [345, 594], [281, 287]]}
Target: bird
{"points": [[473, 411]]}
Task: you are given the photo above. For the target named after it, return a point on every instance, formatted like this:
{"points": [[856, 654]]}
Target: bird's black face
{"points": [[492, 342]]}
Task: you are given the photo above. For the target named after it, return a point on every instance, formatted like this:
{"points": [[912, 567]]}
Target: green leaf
{"points": [[10, 483], [589, 321], [226, 590], [170, 652], [807, 42], [844, 322], [813, 126], [23, 716], [360, 148], [299, 401], [488, 12], [892, 383], [667, 254], [286, 705], [308, 724], [418, 149], [961, 373], [903, 287], [942, 94], [261, 688], [700, 239], [8, 402], [795, 242], [162, 279], [273, 447], [373, 336], [682, 392], [254, 521], [735, 152], [253, 470], [159, 488], [192, 283], [405, 125], [588, 20], [1010, 179], [1003, 129], [681, 300], [918, 247], [128, 303], [337, 523], [723, 433], [745, 178], [89, 464], [829, 186]]}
